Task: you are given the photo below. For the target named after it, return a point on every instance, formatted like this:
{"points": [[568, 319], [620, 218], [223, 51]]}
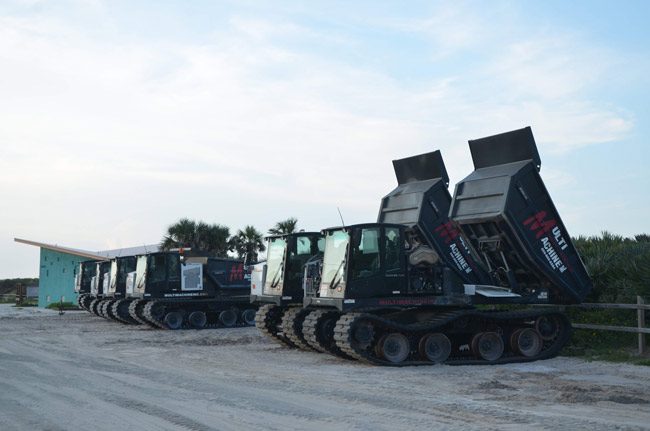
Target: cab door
{"points": [[366, 276], [156, 275], [394, 261], [173, 272]]}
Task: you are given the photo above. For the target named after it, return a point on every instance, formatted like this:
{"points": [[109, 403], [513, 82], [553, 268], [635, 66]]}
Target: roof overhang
{"points": [[66, 250]]}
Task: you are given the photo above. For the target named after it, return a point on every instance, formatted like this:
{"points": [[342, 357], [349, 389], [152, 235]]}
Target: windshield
{"points": [[87, 272], [125, 265], [274, 263], [336, 246]]}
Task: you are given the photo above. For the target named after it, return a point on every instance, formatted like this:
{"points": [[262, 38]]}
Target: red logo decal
{"points": [[539, 224], [236, 272], [447, 231]]}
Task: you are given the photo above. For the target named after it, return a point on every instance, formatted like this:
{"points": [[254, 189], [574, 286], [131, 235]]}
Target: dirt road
{"points": [[78, 371]]}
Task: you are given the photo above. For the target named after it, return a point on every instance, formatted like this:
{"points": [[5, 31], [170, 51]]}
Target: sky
{"points": [[117, 118]]}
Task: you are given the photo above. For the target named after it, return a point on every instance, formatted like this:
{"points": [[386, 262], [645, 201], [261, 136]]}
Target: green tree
{"points": [[248, 243], [619, 266], [199, 236], [284, 227]]}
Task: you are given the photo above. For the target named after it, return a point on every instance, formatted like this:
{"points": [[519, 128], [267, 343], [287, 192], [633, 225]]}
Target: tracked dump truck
{"points": [[170, 290], [82, 283], [411, 289], [277, 285]]}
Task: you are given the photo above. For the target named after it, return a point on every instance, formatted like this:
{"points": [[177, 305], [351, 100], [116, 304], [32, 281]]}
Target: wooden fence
{"points": [[640, 329]]}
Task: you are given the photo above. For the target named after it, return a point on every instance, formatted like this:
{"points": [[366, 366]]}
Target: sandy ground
{"points": [[78, 371]]}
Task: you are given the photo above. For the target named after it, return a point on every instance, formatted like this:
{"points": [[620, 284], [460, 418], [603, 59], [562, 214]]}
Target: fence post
{"points": [[641, 324]]}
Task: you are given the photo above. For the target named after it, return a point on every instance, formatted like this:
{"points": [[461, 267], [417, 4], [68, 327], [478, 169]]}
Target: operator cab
{"points": [[101, 273], [382, 264], [286, 258], [363, 261], [120, 267]]}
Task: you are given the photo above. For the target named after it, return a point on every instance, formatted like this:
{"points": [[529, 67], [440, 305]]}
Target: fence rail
{"points": [[640, 329]]}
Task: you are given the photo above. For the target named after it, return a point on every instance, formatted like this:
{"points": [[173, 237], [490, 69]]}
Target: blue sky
{"points": [[117, 118]]}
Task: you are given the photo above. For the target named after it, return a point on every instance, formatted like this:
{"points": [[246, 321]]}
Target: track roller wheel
{"points": [[228, 318], [548, 327], [435, 347], [197, 319], [527, 342], [174, 319], [393, 347], [248, 316], [488, 346]]}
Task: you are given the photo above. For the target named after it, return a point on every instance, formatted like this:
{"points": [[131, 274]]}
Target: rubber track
{"points": [[100, 308], [343, 335], [86, 302], [104, 309], [311, 334], [143, 314], [92, 307], [292, 322], [80, 301], [148, 316], [115, 311], [133, 311], [108, 311], [267, 320]]}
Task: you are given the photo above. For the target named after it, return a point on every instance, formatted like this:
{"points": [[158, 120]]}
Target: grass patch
{"points": [[27, 304], [64, 305], [628, 355], [608, 346]]}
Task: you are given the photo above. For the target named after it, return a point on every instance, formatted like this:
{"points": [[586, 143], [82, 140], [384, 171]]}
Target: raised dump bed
{"points": [[421, 202], [506, 212]]}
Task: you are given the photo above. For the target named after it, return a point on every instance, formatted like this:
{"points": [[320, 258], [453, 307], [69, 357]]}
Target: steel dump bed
{"points": [[504, 209], [421, 202]]}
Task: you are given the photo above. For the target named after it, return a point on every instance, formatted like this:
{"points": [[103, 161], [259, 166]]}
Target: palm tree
{"points": [[199, 236], [248, 243], [213, 238], [284, 227]]}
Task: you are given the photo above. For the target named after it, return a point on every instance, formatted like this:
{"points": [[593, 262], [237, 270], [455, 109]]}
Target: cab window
{"points": [[365, 253], [173, 267], [392, 249], [157, 270]]}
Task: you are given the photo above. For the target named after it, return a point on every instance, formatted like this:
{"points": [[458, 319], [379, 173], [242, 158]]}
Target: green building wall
{"points": [[56, 277]]}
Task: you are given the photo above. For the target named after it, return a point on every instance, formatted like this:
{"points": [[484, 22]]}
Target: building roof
{"points": [[96, 255], [130, 251]]}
